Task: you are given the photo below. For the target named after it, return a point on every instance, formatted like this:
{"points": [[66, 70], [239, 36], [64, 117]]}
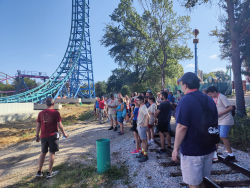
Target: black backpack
{"points": [[208, 129]]}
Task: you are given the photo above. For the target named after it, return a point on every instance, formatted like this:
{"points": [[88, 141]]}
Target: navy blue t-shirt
{"points": [[170, 98], [136, 113], [164, 108], [188, 113]]}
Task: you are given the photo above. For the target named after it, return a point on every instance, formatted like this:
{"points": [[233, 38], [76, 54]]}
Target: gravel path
{"points": [[21, 159]]}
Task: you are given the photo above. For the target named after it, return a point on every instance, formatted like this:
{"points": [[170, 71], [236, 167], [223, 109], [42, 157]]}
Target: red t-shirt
{"points": [[48, 119], [101, 104]]}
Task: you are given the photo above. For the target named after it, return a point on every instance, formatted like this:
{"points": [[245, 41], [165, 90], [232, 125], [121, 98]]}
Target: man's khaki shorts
{"points": [[112, 116], [195, 168]]}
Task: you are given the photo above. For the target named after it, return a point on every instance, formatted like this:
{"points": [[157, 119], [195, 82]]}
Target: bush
{"points": [[239, 135], [125, 90]]}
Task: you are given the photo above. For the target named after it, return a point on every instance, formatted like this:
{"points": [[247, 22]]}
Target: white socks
{"points": [[231, 154]]}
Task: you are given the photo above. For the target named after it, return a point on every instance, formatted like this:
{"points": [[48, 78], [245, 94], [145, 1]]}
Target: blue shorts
{"points": [[224, 130], [120, 119]]}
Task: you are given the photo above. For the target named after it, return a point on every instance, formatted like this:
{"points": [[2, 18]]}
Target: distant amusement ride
{"points": [[74, 76]]}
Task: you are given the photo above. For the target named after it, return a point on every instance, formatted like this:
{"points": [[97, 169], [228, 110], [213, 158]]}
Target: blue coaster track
{"points": [[74, 76]]}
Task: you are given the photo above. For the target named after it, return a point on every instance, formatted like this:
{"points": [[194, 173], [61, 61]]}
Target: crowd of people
{"points": [[202, 119]]}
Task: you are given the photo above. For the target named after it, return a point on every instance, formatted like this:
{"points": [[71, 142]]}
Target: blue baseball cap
{"points": [[189, 78]]}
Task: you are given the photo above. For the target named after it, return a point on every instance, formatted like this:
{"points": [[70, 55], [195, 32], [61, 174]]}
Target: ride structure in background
{"points": [[5, 77], [74, 76]]}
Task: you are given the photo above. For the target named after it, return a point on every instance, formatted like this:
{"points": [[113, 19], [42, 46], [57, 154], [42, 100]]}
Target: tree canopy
{"points": [[147, 45]]}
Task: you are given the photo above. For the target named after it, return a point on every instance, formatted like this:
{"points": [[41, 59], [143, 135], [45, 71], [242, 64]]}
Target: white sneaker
{"points": [[149, 143], [215, 157], [50, 175], [152, 141]]}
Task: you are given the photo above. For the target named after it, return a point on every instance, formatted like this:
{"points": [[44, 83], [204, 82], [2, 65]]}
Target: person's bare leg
{"points": [[41, 161], [136, 141], [111, 122], [227, 144], [168, 138], [162, 138], [139, 141], [116, 123], [152, 132], [148, 134], [121, 127], [145, 145], [51, 161]]}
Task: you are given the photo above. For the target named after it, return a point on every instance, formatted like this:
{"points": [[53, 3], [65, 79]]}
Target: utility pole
{"points": [[196, 41]]}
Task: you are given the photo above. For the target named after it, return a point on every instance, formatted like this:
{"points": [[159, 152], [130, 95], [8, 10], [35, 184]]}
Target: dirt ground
{"points": [[23, 131]]}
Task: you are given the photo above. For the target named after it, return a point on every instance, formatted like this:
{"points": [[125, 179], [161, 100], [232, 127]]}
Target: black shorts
{"points": [[162, 127], [135, 126], [50, 142]]}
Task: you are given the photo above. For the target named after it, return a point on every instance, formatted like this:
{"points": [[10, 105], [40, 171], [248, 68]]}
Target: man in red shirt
{"points": [[48, 122], [101, 109]]}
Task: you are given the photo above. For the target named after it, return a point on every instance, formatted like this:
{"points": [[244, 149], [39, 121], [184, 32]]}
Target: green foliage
{"points": [[119, 78], [139, 88], [192, 3], [221, 75], [205, 76], [239, 135], [242, 27], [125, 90], [146, 45], [100, 88]]}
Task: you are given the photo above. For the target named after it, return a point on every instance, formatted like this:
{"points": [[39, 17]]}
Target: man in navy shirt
{"points": [[163, 121], [196, 162]]}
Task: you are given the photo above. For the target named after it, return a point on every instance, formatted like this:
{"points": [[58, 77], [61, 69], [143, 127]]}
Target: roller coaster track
{"points": [[4, 76], [75, 68]]}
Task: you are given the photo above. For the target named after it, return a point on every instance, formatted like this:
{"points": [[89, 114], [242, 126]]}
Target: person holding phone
{"points": [[48, 122]]}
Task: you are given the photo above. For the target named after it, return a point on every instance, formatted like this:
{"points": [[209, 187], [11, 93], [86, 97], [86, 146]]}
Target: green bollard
{"points": [[103, 155]]}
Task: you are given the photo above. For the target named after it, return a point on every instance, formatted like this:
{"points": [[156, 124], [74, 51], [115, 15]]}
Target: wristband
{"points": [[37, 135]]}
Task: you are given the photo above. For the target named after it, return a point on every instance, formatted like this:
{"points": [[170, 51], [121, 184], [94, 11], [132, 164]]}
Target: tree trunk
{"points": [[236, 63], [162, 78]]}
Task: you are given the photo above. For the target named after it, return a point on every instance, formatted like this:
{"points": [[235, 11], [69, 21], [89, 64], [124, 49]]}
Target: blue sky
{"points": [[34, 35]]}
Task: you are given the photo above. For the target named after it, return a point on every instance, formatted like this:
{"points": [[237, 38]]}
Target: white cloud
{"points": [[213, 56], [190, 65], [48, 55], [219, 69]]}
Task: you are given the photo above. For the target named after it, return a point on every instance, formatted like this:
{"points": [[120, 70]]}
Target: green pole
{"points": [[103, 155]]}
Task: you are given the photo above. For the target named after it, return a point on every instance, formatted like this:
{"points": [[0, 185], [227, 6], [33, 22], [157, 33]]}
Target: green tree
{"points": [[141, 42], [164, 31], [221, 75], [233, 39], [205, 76], [119, 78], [100, 88], [28, 81], [125, 90], [126, 45]]}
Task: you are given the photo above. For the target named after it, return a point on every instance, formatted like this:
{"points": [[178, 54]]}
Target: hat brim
{"points": [[178, 81]]}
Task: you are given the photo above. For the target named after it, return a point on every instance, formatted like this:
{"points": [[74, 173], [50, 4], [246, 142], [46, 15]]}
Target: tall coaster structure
{"points": [[74, 76]]}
